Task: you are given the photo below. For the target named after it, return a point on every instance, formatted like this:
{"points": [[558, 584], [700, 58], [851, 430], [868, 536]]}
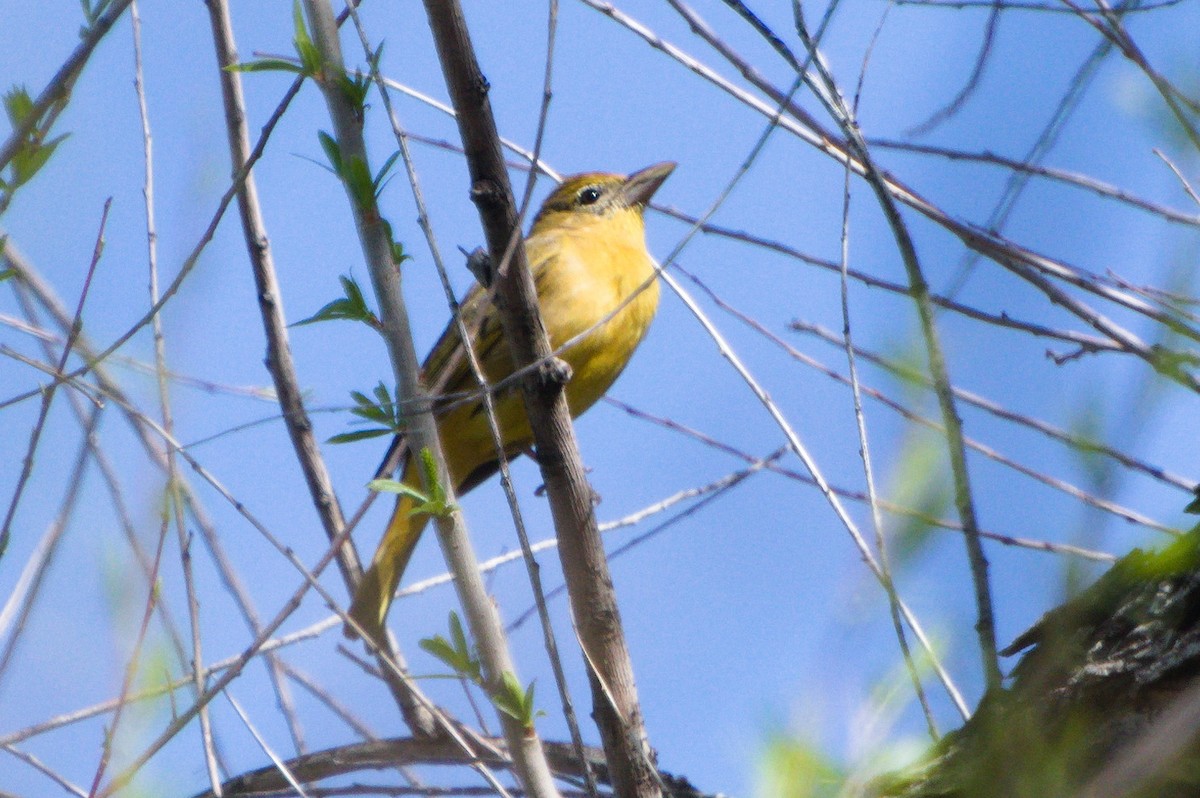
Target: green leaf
{"points": [[438, 647], [381, 410], [266, 65], [514, 701], [456, 652], [370, 411], [382, 395], [382, 177], [436, 505], [360, 435], [332, 151], [1194, 506], [358, 179], [310, 57], [18, 105], [31, 158], [457, 634], [398, 253], [429, 466], [356, 88], [351, 307], [395, 486]]}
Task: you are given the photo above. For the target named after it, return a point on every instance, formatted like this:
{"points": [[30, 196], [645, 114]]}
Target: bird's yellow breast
{"points": [[585, 268]]}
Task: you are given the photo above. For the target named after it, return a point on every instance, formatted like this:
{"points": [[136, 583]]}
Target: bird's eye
{"points": [[589, 195]]}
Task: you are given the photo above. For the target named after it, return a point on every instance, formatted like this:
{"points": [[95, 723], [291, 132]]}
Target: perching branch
{"points": [[374, 234], [585, 566]]}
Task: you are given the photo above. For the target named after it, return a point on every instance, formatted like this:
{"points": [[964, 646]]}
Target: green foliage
{"points": [[35, 150], [918, 483], [381, 410], [398, 487], [356, 87], [794, 769], [353, 171], [435, 503], [459, 655], [398, 253], [456, 652], [350, 307], [306, 51], [310, 56], [1194, 505], [515, 701]]}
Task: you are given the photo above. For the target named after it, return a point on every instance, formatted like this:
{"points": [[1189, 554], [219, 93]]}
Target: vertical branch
{"points": [[885, 561], [279, 354], [375, 237], [585, 566], [175, 495], [826, 90], [532, 568]]}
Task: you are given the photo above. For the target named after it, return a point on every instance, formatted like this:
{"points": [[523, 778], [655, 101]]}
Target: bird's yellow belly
{"points": [[597, 359], [570, 307]]}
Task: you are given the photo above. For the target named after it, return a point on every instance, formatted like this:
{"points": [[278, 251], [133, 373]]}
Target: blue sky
{"points": [[755, 615]]}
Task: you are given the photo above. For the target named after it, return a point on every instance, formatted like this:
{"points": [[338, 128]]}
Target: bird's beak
{"points": [[640, 186]]}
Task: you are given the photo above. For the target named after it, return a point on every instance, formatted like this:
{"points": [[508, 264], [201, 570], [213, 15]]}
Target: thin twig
{"points": [[964, 500], [175, 501], [885, 560], [1098, 502], [1065, 437], [266, 749], [1025, 166], [858, 496], [960, 99], [54, 96], [49, 391], [132, 666], [19, 604], [45, 770], [1030, 266], [193, 257]]}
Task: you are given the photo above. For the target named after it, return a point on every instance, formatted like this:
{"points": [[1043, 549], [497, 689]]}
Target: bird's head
{"points": [[586, 197]]}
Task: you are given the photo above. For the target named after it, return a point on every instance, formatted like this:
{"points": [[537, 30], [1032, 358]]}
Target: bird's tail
{"points": [[374, 595]]}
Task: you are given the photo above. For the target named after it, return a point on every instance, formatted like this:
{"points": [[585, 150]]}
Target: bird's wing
{"points": [[447, 373]]}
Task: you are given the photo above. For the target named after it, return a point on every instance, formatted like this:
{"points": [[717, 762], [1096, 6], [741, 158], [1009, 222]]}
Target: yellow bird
{"points": [[587, 253]]}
